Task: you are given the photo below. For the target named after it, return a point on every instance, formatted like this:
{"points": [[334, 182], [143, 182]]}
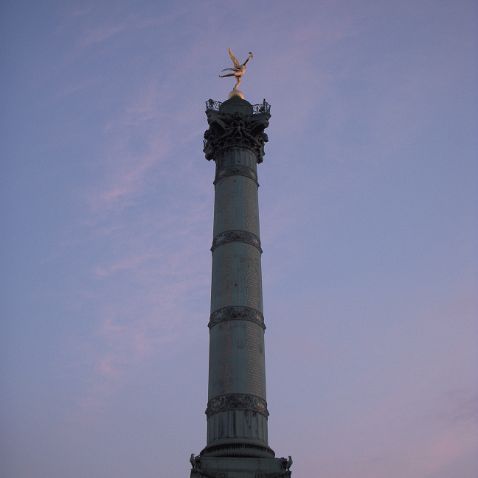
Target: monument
{"points": [[237, 438]]}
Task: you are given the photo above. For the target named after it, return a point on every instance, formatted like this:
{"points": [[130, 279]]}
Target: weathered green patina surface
{"points": [[237, 438]]}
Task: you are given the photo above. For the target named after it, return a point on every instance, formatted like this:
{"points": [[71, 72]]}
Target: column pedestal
{"points": [[230, 467]]}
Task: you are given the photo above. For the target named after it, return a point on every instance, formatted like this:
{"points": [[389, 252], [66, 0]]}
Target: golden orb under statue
{"points": [[237, 93]]}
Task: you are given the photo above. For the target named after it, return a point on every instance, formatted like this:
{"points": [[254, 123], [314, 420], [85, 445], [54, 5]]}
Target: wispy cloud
{"points": [[142, 291], [94, 34], [463, 406], [135, 141], [103, 33], [152, 261]]}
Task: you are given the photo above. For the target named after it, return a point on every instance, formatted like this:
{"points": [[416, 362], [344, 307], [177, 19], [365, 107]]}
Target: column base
{"points": [[238, 449], [240, 467]]}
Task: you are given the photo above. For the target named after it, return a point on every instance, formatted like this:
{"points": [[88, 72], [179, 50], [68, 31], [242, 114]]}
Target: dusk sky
{"points": [[369, 225]]}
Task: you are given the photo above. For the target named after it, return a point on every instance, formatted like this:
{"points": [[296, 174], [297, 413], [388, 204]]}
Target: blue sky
{"points": [[368, 204]]}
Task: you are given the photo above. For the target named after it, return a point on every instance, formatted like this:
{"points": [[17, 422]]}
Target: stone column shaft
{"points": [[237, 409]]}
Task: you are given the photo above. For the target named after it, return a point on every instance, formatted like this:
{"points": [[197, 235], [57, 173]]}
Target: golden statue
{"points": [[237, 71]]}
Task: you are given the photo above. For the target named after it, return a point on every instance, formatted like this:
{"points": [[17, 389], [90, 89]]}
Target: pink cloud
{"points": [[124, 264], [102, 33], [446, 447], [125, 168], [106, 368], [134, 328]]}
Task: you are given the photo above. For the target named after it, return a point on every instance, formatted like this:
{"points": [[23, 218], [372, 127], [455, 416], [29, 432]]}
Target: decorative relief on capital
{"points": [[237, 401], [236, 312], [229, 130], [236, 236]]}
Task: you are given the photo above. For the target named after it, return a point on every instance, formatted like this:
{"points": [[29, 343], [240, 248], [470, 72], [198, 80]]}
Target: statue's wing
{"points": [[235, 61]]}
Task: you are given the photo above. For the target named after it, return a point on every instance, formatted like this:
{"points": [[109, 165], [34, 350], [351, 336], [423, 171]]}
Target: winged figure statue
{"points": [[237, 70]]}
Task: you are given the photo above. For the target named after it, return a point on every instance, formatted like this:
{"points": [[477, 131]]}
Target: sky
{"points": [[368, 204]]}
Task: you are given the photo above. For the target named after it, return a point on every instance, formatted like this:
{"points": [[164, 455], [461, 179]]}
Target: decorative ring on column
{"points": [[236, 171], [236, 312], [237, 401], [236, 236]]}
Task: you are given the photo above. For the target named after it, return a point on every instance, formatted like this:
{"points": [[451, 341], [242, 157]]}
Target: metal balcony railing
{"points": [[260, 108]]}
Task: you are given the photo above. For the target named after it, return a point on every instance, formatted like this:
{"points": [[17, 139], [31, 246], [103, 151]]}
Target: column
{"points": [[237, 408]]}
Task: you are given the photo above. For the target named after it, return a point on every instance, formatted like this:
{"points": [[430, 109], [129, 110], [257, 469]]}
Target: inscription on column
{"points": [[237, 358], [252, 279], [235, 206], [254, 360], [236, 276]]}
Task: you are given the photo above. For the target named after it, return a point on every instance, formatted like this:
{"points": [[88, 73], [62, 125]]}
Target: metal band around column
{"points": [[236, 171], [237, 401], [236, 236], [236, 312]]}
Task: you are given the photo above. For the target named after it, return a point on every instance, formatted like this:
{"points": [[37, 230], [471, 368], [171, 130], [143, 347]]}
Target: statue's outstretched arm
{"points": [[248, 58]]}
